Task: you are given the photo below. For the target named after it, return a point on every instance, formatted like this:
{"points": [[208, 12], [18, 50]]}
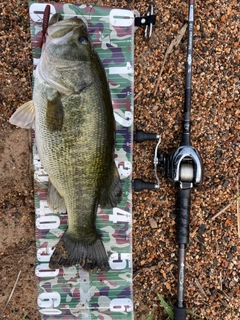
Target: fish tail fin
{"points": [[88, 252]]}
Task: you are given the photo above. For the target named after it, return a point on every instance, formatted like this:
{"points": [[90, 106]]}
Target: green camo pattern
{"points": [[71, 293]]}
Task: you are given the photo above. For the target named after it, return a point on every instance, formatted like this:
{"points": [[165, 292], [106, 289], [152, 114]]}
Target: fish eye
{"points": [[83, 40]]}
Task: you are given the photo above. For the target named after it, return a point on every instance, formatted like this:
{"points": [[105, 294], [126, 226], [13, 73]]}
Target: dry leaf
{"points": [[175, 42]]}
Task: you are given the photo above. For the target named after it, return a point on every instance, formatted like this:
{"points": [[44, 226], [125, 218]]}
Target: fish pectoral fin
{"points": [[54, 111], [112, 194], [24, 116], [55, 201]]}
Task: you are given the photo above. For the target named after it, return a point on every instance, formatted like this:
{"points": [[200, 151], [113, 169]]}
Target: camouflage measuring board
{"points": [[71, 293]]}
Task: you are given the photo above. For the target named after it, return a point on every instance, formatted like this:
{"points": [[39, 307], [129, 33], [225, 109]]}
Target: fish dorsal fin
{"points": [[24, 116]]}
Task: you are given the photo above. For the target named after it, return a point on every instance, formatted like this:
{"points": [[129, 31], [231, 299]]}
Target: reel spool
{"points": [[186, 172]]}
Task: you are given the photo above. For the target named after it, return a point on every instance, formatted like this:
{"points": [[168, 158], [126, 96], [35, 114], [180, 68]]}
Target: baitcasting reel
{"points": [[183, 166]]}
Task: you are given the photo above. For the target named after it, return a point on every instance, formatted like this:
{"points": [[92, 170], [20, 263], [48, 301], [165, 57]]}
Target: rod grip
{"points": [[179, 313], [183, 215]]}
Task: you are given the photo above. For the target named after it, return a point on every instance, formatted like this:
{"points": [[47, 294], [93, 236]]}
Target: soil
{"points": [[213, 255]]}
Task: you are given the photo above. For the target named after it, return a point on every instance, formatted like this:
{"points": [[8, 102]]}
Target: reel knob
{"points": [[139, 185], [140, 136]]}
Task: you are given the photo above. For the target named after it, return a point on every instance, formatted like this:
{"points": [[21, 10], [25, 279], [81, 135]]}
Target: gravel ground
{"points": [[213, 255]]}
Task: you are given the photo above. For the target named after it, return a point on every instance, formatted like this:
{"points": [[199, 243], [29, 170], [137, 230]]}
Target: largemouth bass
{"points": [[74, 126]]}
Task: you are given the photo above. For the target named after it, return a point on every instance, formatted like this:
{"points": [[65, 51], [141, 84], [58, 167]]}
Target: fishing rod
{"points": [[183, 167]]}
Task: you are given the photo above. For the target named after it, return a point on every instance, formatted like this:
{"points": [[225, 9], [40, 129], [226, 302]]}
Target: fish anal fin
{"points": [[112, 194], [55, 201], [54, 111], [24, 116]]}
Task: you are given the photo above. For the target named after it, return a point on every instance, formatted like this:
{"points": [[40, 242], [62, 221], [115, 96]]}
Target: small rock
{"points": [[225, 183], [229, 255], [224, 264], [202, 229], [153, 223], [233, 249]]}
